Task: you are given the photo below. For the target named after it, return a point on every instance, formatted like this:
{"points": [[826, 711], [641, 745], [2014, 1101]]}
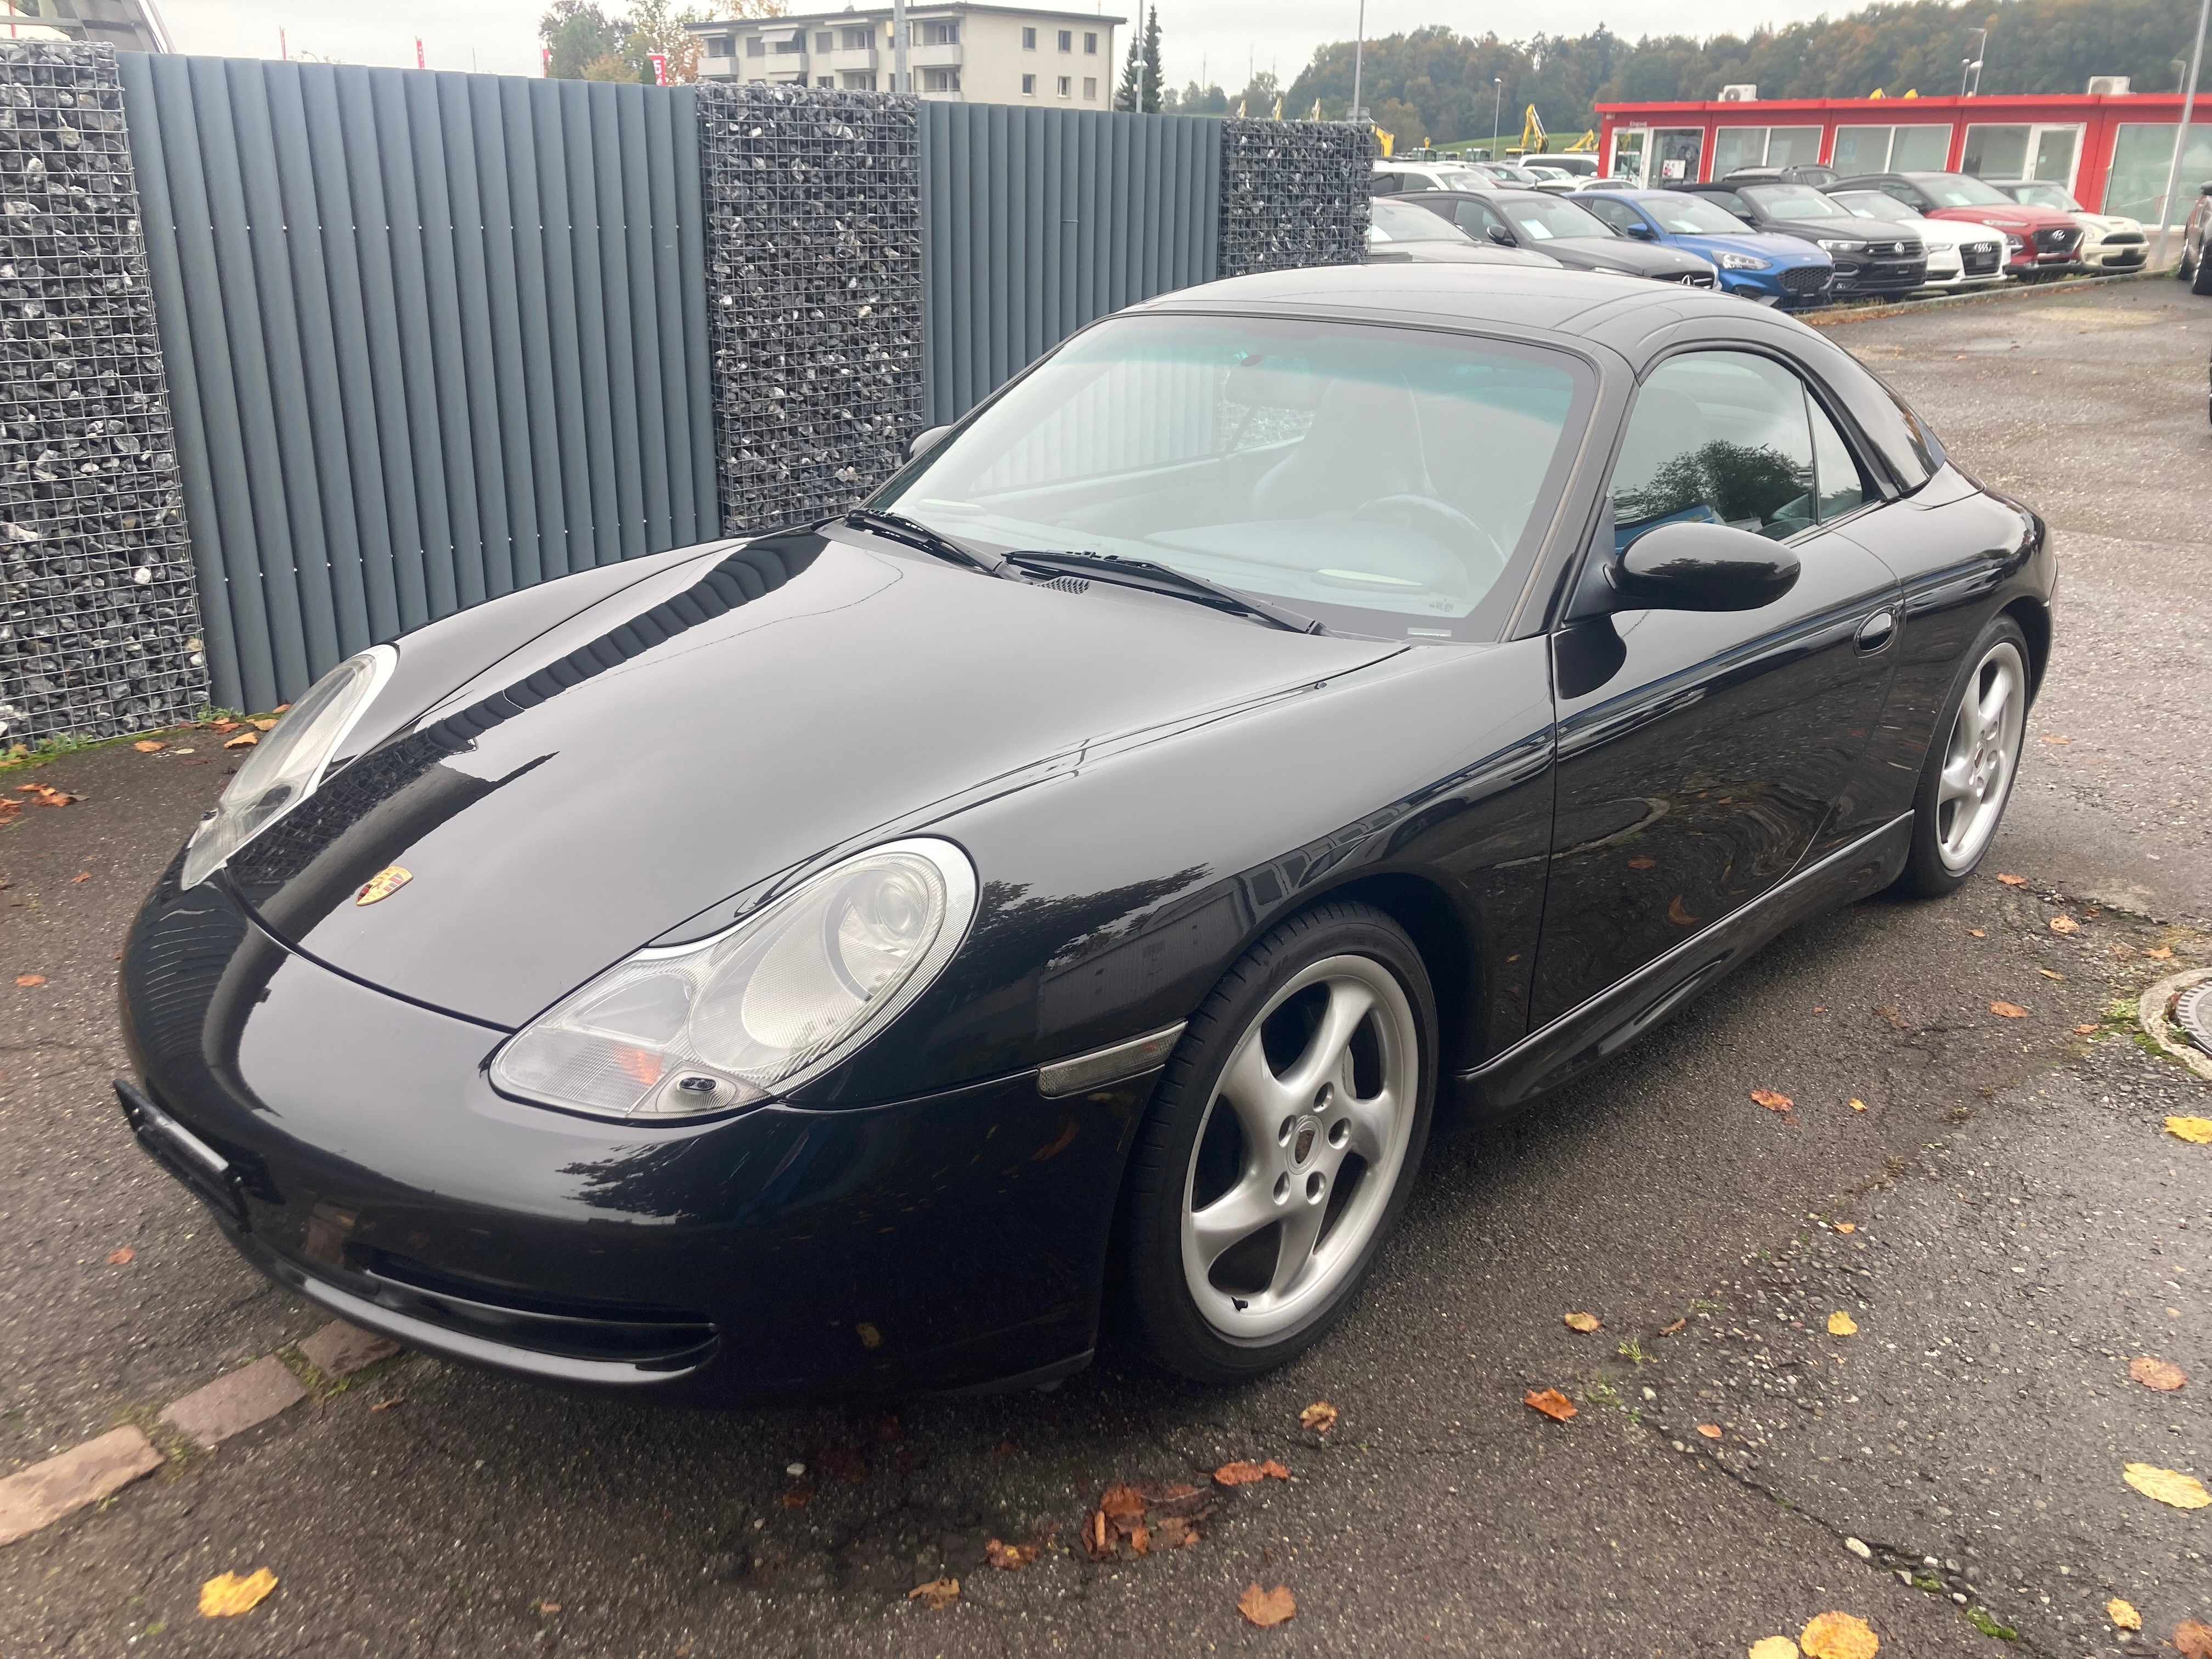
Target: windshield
{"points": [[1542, 217], [1400, 222], [1381, 479], [1873, 204], [1463, 178], [1693, 216], [1957, 190], [1506, 173], [2039, 194], [1793, 201]]}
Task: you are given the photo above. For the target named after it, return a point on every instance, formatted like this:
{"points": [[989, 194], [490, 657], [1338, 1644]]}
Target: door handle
{"points": [[1877, 631]]}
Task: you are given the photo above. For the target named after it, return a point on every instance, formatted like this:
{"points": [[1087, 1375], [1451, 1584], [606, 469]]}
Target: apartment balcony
{"points": [[921, 58], [860, 60]]}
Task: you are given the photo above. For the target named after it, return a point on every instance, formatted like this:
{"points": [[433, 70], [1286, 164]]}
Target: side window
{"points": [[1475, 218], [1415, 181], [1621, 216], [1903, 191], [1734, 202], [1840, 488], [1716, 437], [1383, 183]]}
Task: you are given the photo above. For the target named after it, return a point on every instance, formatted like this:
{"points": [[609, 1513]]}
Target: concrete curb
{"points": [[2151, 1008], [2016, 292]]}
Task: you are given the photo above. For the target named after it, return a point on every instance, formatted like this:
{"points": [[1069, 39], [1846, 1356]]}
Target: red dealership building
{"points": [[2111, 150]]}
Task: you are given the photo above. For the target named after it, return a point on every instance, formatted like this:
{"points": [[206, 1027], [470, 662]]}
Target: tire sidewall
{"points": [[1925, 872], [1163, 1316]]}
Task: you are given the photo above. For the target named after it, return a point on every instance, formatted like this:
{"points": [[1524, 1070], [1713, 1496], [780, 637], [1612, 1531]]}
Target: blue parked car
{"points": [[1777, 270]]}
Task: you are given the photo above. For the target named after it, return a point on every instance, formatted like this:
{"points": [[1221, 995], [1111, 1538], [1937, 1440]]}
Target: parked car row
{"points": [[1795, 238]]}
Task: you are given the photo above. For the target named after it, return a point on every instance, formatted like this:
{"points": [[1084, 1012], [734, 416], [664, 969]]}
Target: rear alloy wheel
{"points": [[1969, 775], [1282, 1141]]}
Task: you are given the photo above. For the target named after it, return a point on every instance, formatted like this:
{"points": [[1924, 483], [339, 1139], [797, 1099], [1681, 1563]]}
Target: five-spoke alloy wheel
{"points": [[1971, 769], [1282, 1141]]}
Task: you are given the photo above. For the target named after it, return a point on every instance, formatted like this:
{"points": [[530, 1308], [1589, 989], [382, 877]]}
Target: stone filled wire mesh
{"points": [[1293, 193], [99, 616], [813, 202]]}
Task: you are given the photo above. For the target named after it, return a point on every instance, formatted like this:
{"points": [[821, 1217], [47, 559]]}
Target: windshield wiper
{"points": [[1166, 579], [898, 527]]}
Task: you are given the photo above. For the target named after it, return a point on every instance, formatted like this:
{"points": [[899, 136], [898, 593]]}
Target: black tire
{"points": [[2200, 281], [2187, 267], [1928, 873], [1163, 1310]]}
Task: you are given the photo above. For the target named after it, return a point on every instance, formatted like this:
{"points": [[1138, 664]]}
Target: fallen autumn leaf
{"points": [[1010, 1558], [2014, 881], [1772, 1101], [2064, 924], [228, 1594], [1320, 1417], [1838, 1635], [2123, 1615], [1857, 1105], [936, 1593], [148, 746], [2161, 1374], [1585, 1323], [1266, 1607], [1550, 1402], [119, 1257], [1847, 1226], [2168, 1487], [28, 980], [2160, 954], [243, 740], [1842, 1324], [1244, 1474], [1774, 1647], [2197, 1131], [2009, 1010], [2194, 1638], [1710, 1430]]}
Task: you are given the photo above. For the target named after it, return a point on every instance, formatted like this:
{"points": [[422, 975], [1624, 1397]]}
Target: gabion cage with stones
{"points": [[98, 619], [813, 199], [1293, 193]]}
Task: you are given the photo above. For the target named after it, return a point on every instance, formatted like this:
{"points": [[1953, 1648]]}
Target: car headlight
{"points": [[1842, 244], [689, 1029], [2016, 244], [1744, 262], [288, 764]]}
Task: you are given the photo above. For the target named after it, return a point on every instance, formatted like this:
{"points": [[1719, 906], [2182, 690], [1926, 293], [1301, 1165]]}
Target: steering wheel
{"points": [[1462, 527]]}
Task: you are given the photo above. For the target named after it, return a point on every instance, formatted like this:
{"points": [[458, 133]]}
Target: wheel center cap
{"points": [[1303, 1138]]}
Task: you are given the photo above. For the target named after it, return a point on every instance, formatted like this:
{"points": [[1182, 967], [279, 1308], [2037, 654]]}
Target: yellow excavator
{"points": [[1536, 141]]}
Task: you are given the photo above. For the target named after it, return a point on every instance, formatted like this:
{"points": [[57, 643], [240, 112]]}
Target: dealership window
{"points": [[1029, 86], [718, 46], [1029, 40], [1090, 88], [1067, 86], [1891, 149], [1090, 45], [1764, 147], [755, 47], [858, 39], [941, 80], [2141, 153], [2009, 151]]}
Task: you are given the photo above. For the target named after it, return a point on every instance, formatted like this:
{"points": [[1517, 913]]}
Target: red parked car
{"points": [[2038, 241]]}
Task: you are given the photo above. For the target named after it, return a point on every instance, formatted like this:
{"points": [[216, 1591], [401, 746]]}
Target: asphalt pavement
{"points": [[1989, 1199]]}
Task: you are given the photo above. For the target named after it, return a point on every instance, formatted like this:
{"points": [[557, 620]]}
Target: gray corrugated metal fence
{"points": [[1035, 222], [429, 338]]}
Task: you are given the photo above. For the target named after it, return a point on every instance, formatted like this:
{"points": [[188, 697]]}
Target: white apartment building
{"points": [[979, 54]]}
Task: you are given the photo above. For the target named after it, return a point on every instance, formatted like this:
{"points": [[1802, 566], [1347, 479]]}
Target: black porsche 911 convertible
{"points": [[856, 955]]}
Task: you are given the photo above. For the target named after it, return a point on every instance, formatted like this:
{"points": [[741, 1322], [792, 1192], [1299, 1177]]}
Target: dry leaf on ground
{"points": [[1244, 1474], [936, 1593], [2064, 924], [1585, 1323], [1122, 1502], [29, 980], [243, 740], [118, 1257], [1669, 1330], [2123, 1615], [1838, 1635], [148, 746], [1643, 864], [1265, 1608], [45, 795], [1847, 1226], [799, 1499], [2160, 954], [229, 1594], [2009, 1010], [386, 1405], [1710, 1430], [1857, 1105], [1774, 1647], [1977, 933], [261, 725], [2193, 1638], [1320, 1417], [1772, 1101], [1550, 1402], [2014, 881], [2197, 1131], [2083, 1030], [2171, 1486], [2161, 1374], [1842, 1324], [1011, 1557]]}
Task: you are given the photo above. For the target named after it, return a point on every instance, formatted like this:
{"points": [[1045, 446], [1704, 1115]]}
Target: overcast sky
{"points": [[1219, 36]]}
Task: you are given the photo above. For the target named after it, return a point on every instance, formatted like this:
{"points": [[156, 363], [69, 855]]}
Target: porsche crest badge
{"points": [[383, 884]]}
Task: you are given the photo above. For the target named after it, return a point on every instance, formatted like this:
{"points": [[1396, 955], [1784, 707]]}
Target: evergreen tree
{"points": [[1130, 95], [1149, 81]]}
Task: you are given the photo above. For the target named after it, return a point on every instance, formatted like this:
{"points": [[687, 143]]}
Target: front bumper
{"points": [[1861, 277], [352, 1147], [1789, 287]]}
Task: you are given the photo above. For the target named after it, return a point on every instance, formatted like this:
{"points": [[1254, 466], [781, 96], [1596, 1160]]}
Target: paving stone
{"points": [[230, 1405], [340, 1350], [42, 1494]]}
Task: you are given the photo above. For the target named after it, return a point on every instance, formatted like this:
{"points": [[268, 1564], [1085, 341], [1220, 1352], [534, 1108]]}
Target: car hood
{"points": [[1455, 253], [1781, 250], [2016, 218], [1856, 227], [2106, 223], [1954, 233], [637, 771], [1626, 254]]}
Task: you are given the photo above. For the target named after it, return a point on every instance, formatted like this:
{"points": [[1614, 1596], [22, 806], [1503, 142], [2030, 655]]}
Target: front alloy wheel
{"points": [[1969, 775], [1282, 1141]]}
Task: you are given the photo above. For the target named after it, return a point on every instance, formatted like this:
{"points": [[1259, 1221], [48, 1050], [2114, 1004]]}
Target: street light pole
{"points": [[1972, 63], [900, 82], [2181, 135], [1358, 52], [1498, 96]]}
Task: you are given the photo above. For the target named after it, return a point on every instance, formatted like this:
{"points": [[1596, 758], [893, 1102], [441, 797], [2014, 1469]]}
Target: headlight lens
{"points": [[1842, 244], [288, 762], [788, 993], [1744, 262], [2015, 243]]}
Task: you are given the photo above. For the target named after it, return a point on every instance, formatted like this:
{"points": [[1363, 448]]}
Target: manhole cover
{"points": [[2192, 1015]]}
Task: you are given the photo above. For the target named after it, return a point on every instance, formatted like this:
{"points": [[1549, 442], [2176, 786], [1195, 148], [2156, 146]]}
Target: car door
{"points": [[1700, 754], [1483, 222]]}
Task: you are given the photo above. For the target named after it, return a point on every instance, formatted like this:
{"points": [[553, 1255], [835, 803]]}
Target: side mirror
{"points": [[1688, 566], [924, 441], [1642, 232], [1500, 235]]}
